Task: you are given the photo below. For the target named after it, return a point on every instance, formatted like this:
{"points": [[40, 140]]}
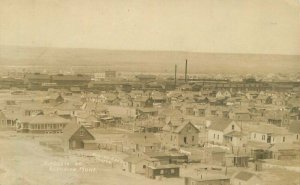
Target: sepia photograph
{"points": [[149, 92]]}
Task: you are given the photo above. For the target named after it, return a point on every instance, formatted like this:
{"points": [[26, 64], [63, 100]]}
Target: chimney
{"points": [[175, 74], [185, 74]]}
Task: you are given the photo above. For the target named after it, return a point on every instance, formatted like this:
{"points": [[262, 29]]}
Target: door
{"points": [[73, 144]]}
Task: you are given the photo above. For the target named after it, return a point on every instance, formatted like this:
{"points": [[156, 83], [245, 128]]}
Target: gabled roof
{"points": [[70, 130], [181, 127], [220, 124]]}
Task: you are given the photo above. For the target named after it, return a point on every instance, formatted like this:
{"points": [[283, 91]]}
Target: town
{"points": [[149, 128]]}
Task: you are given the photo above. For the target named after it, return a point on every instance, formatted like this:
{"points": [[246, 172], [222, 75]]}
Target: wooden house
{"points": [[220, 127], [78, 137], [183, 134], [142, 142]]}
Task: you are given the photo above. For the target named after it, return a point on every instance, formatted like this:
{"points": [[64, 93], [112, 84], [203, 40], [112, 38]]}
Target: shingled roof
{"points": [[220, 124], [244, 176]]}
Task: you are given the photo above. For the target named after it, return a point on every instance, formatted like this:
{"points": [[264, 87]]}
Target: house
{"points": [[205, 179], [75, 89], [277, 118], [142, 142], [183, 134], [169, 170], [135, 164], [140, 101], [241, 114], [246, 178], [266, 133], [201, 110], [87, 120], [109, 121], [236, 138], [42, 124], [8, 120], [77, 137], [220, 127], [223, 94], [285, 151], [189, 110], [146, 112], [67, 109], [54, 99]]}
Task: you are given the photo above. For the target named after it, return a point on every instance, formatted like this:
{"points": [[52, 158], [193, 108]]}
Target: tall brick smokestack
{"points": [[175, 75], [185, 74]]}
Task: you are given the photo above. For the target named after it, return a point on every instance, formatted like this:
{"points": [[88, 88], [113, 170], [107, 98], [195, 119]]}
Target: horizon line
{"points": [[144, 50]]}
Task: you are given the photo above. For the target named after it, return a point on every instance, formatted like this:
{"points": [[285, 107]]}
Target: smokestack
{"points": [[185, 74], [175, 75]]}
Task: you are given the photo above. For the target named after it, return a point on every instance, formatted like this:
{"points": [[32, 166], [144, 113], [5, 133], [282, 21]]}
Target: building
{"points": [[110, 74], [142, 142], [265, 133], [68, 81], [177, 135], [78, 137], [169, 170], [135, 164], [205, 179], [42, 124], [221, 127], [146, 112]]}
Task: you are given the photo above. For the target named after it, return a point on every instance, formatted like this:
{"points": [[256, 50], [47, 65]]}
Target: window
{"points": [[218, 136], [161, 172], [172, 171], [144, 166], [283, 139], [184, 140], [263, 137], [254, 135], [297, 136], [232, 127], [193, 138]]}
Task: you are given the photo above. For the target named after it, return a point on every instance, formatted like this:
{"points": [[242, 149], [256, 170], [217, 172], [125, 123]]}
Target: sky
{"points": [[224, 26]]}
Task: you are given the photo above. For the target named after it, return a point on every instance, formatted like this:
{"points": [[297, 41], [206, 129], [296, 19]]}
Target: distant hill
{"points": [[150, 61]]}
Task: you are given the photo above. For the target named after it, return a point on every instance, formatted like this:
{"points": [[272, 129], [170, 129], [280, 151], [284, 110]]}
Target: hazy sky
{"points": [[230, 26]]}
